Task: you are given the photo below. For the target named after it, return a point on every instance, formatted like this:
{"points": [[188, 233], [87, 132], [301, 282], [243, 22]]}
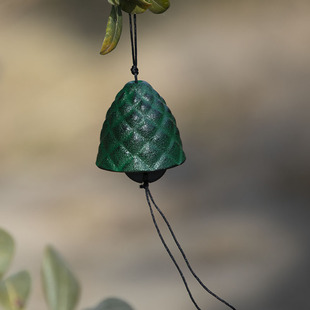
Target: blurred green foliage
{"points": [[14, 291], [60, 286], [6, 251], [112, 304]]}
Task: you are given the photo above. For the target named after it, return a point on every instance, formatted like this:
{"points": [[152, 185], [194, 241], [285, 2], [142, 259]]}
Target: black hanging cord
{"points": [[150, 199], [147, 192], [133, 38]]}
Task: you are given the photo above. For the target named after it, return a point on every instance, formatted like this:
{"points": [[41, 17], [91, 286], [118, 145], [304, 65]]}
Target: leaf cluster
{"points": [[140, 6], [15, 289], [60, 287], [115, 20]]}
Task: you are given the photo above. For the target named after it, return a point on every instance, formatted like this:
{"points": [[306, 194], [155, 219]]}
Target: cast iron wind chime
{"points": [[139, 135]]}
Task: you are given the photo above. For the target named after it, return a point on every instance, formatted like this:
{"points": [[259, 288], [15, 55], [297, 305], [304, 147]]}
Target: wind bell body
{"points": [[139, 135]]}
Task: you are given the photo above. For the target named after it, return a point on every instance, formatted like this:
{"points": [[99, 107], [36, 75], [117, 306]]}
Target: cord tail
{"points": [[150, 201]]}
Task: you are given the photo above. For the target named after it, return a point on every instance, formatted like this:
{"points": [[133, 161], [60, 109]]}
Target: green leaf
{"points": [[159, 6], [112, 304], [6, 251], [14, 291], [113, 30], [114, 2], [144, 4], [61, 289], [134, 6]]}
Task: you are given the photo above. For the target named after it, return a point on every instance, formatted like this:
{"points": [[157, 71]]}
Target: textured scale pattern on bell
{"points": [[139, 133]]}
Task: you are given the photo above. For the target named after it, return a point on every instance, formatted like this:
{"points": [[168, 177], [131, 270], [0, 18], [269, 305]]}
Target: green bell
{"points": [[139, 136]]}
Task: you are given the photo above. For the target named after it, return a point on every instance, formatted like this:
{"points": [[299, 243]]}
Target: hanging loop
{"points": [[133, 38]]}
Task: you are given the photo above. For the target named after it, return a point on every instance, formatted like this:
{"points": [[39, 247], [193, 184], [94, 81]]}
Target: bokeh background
{"points": [[236, 75]]}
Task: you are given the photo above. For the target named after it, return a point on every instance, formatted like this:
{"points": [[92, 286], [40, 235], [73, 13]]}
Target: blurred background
{"points": [[236, 75]]}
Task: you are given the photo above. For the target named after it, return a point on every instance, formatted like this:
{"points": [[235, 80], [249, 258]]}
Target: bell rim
{"points": [[142, 171]]}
